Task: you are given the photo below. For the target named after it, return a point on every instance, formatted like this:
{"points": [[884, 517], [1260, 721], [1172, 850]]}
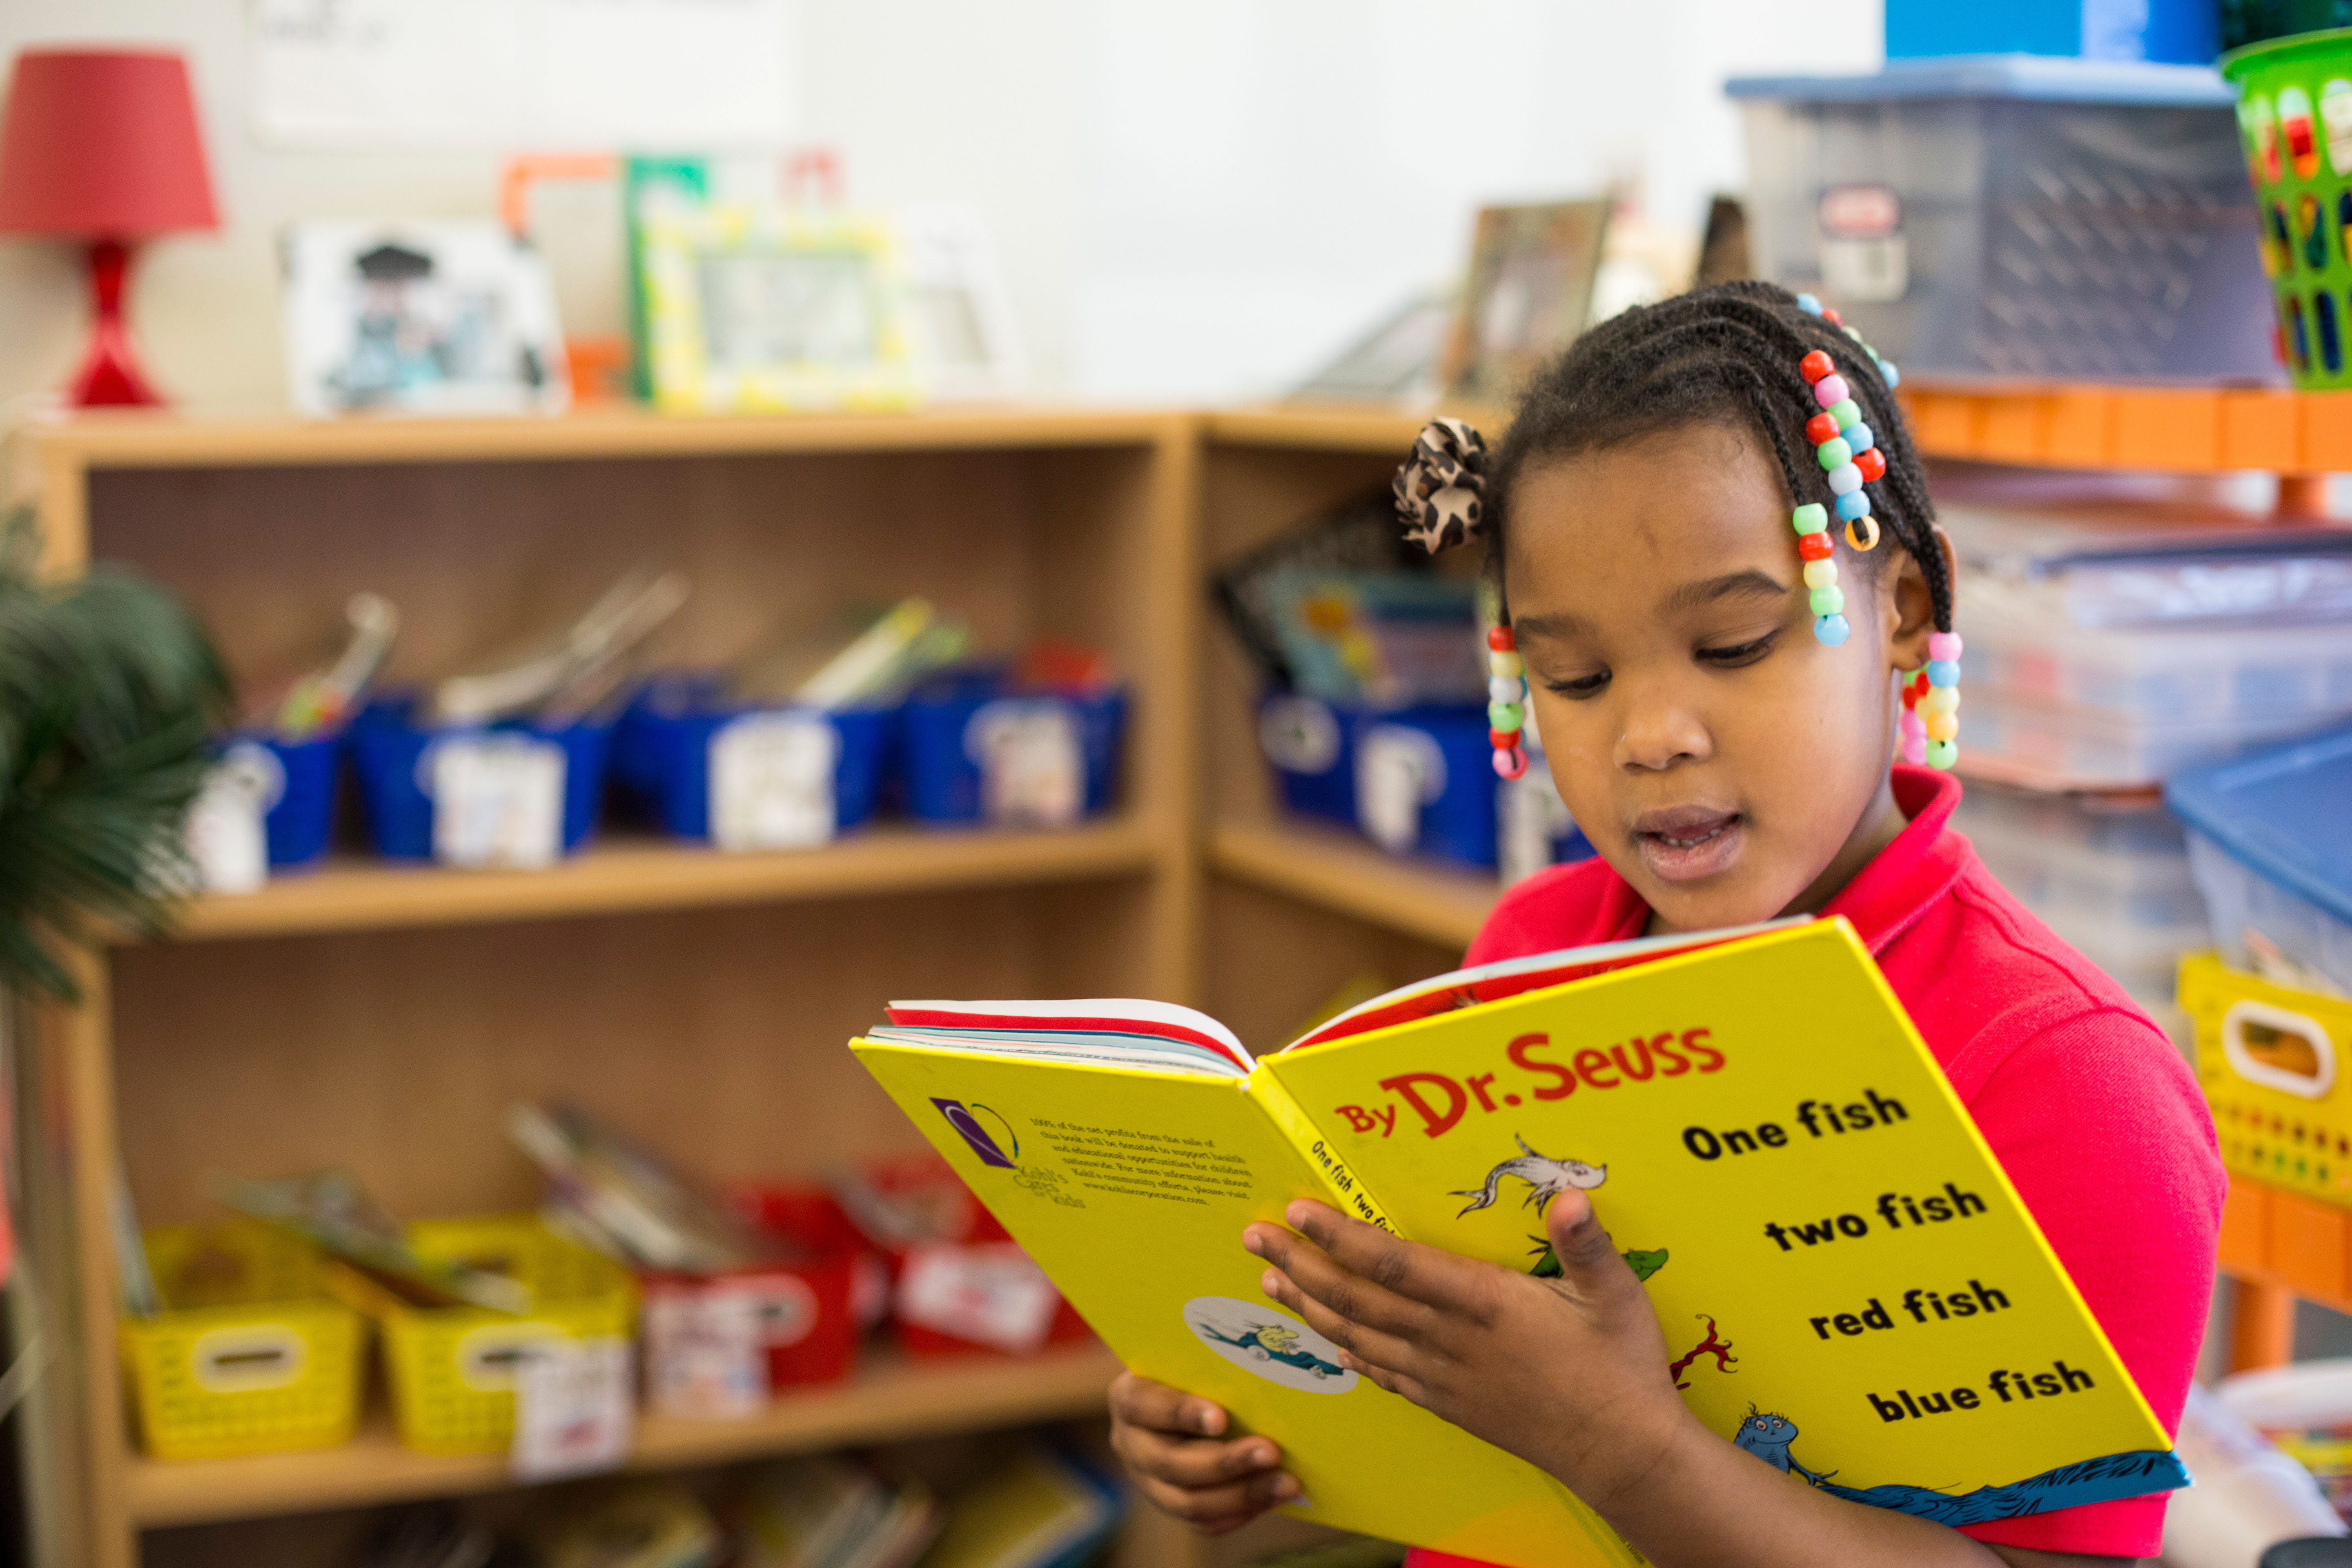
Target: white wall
{"points": [[1194, 199]]}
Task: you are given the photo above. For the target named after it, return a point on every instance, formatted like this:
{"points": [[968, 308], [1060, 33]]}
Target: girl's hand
{"points": [[1568, 1374], [1170, 1441]]}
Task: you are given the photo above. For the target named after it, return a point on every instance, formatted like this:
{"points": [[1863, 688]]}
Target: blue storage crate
{"points": [[958, 727], [2270, 843], [398, 761], [1425, 782], [296, 783], [669, 746], [1310, 744]]}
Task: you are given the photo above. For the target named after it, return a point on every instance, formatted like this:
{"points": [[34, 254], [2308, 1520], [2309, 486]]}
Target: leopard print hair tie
{"points": [[1441, 490]]}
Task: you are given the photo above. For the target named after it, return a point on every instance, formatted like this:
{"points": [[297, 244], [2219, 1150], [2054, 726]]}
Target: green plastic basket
{"points": [[2295, 115]]}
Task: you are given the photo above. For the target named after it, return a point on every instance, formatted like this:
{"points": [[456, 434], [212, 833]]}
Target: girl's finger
{"points": [[1365, 1343], [1396, 1383], [1194, 1462], [1347, 1291], [1422, 1274], [1221, 1508], [1140, 1401]]}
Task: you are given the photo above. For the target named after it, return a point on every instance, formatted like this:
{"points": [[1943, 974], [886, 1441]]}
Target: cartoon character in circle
{"points": [[1276, 1342]]}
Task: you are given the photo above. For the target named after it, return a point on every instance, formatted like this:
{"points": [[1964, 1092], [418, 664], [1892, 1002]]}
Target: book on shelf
{"points": [[1848, 1286]]}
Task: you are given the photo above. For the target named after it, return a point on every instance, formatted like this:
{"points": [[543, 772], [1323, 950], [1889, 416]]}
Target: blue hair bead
{"points": [[1858, 436], [1889, 374], [1832, 630], [1808, 305], [1854, 504], [1943, 672]]}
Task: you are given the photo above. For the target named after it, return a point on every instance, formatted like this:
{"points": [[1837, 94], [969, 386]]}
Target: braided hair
{"points": [[1727, 354]]}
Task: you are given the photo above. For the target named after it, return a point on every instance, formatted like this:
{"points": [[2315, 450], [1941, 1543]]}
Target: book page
{"points": [[1848, 1286], [1131, 1190]]}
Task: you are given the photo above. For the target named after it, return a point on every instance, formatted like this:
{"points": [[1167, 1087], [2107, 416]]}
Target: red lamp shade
{"points": [[102, 144]]}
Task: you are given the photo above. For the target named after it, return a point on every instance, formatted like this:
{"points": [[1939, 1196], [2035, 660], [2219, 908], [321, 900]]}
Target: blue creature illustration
{"points": [[1274, 1341], [1767, 1435]]}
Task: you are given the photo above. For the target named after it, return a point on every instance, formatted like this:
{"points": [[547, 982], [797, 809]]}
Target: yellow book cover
{"points": [[1851, 1289]]}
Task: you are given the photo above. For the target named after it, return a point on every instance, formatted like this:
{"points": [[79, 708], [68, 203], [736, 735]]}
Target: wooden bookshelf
{"points": [[625, 876], [894, 1400], [1338, 871], [383, 1016]]}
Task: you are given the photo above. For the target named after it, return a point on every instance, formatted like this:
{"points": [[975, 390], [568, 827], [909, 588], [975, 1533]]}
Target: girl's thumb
{"points": [[1576, 1238]]}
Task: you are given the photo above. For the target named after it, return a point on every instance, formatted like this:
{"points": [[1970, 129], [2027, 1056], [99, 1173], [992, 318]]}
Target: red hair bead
{"points": [[1814, 546], [1821, 428], [1832, 317], [1503, 740], [1815, 365], [1499, 639], [1872, 463]]}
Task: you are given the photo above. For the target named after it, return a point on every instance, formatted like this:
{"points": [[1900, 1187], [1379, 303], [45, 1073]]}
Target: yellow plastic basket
{"points": [[2276, 1068], [452, 1369], [249, 1356]]}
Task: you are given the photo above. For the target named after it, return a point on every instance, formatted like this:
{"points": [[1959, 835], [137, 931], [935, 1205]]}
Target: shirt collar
{"points": [[1884, 896]]}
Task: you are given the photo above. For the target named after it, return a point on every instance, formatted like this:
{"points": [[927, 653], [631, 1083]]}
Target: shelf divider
{"points": [[891, 1400]]}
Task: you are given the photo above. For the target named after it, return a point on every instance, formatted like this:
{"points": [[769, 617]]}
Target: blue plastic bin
{"points": [[1425, 782], [300, 814], [1310, 744], [943, 734], [391, 753], [662, 751], [2270, 843]]}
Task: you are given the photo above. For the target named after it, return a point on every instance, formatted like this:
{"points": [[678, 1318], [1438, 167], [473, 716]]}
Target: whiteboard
{"points": [[511, 75]]}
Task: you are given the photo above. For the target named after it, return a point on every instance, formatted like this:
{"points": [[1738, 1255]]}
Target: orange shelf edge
{"points": [[2160, 429], [2288, 1242]]}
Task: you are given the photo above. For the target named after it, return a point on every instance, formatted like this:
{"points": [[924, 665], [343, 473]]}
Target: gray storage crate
{"points": [[2015, 216]]}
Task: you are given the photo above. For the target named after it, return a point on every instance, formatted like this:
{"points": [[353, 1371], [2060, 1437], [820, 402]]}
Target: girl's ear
{"points": [[1912, 607]]}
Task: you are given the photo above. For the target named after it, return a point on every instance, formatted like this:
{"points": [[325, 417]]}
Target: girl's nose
{"points": [[1655, 736]]}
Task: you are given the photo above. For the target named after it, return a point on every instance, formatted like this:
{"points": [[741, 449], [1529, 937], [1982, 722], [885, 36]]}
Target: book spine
{"points": [[1341, 1183]]}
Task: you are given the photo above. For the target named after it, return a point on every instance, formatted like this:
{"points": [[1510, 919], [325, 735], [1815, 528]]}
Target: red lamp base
{"points": [[108, 376]]}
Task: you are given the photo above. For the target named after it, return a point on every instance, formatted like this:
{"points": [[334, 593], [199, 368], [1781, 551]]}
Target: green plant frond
{"points": [[110, 695]]}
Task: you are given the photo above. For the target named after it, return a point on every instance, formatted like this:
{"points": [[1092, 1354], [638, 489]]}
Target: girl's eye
{"points": [[1583, 686], [1738, 654]]}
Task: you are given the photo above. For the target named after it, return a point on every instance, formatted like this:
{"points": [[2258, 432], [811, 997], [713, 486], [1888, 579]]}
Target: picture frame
{"points": [[965, 338], [764, 309], [1528, 294], [420, 318]]}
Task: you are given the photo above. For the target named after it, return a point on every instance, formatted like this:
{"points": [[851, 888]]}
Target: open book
{"points": [[1850, 1288]]}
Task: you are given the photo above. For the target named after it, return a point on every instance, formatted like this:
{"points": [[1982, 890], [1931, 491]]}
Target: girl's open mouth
{"points": [[1685, 843]]}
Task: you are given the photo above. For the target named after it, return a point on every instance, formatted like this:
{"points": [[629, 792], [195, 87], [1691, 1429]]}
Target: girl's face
{"points": [[1726, 762]]}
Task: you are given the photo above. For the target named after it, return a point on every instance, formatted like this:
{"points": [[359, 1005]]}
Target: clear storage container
{"points": [[2002, 215], [2271, 842], [2069, 746]]}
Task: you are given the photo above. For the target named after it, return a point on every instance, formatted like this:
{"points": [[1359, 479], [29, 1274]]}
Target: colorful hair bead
{"points": [[1847, 451], [1932, 702], [1507, 711]]}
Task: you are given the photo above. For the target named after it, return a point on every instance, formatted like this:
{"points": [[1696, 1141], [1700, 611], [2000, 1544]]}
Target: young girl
{"points": [[1718, 699]]}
